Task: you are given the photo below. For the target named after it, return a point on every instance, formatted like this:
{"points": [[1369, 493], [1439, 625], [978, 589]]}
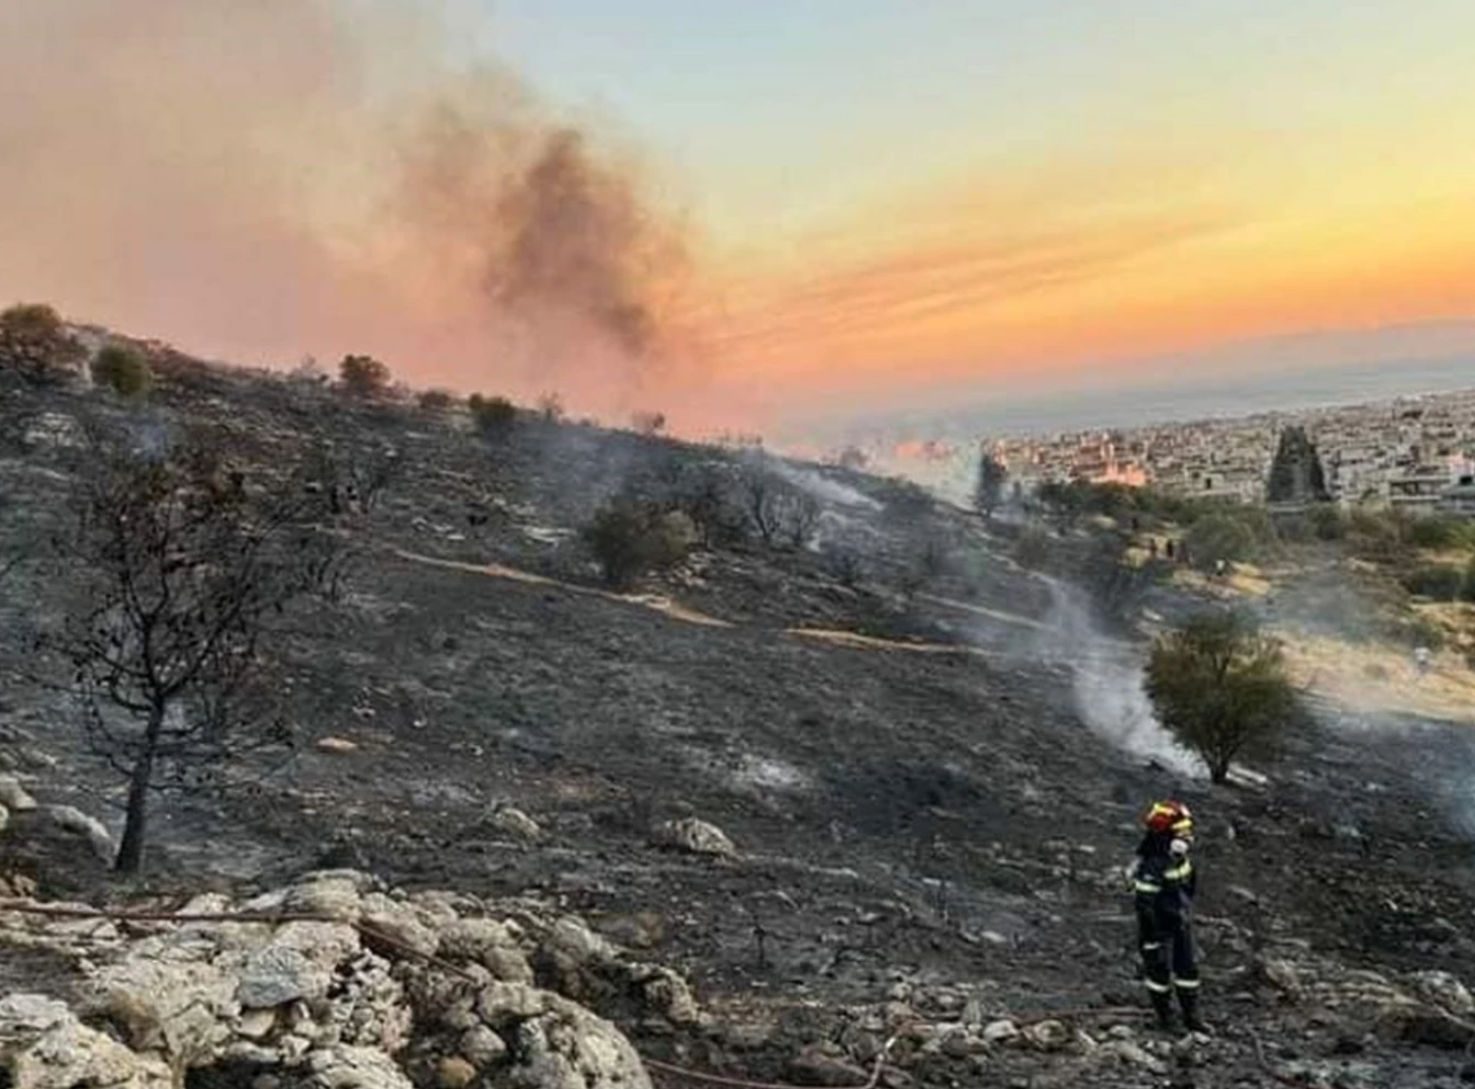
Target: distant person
{"points": [[1152, 547], [1220, 568], [1164, 881], [1423, 660], [1168, 548]]}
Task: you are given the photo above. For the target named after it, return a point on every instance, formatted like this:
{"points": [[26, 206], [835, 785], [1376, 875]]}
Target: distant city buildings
{"points": [[1417, 453]]}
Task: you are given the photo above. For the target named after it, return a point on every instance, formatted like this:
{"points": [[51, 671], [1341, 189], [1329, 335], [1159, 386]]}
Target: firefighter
{"points": [[1164, 882]]}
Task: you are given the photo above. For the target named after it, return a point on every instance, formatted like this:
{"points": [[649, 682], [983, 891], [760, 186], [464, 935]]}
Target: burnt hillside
{"points": [[897, 725]]}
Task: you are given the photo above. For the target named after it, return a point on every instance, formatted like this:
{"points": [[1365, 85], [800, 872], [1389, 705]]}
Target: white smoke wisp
{"points": [[822, 488], [1107, 683]]}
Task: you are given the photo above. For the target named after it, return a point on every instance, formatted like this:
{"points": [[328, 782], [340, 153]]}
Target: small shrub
{"points": [[1425, 633], [35, 342], [843, 563], [1436, 581], [550, 408], [1032, 549], [122, 369], [629, 539], [363, 375], [1377, 535], [1436, 533], [649, 423], [436, 400], [1218, 537], [1328, 523], [493, 416]]}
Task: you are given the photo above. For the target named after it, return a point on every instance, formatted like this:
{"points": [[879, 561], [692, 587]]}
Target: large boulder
{"points": [[492, 944], [515, 823], [13, 796], [44, 1046], [695, 837], [553, 1043], [72, 820], [182, 1009], [342, 1067], [280, 974], [1444, 990]]}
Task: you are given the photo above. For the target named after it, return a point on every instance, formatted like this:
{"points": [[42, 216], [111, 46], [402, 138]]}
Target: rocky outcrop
{"points": [[13, 796], [389, 991], [695, 837], [72, 820], [43, 1045]]}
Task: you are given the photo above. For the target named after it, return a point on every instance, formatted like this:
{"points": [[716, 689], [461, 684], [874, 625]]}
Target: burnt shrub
{"points": [[494, 416], [436, 400], [364, 376]]}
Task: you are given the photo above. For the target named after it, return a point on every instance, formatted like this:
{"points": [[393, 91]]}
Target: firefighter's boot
{"points": [[1188, 1003], [1162, 1005]]}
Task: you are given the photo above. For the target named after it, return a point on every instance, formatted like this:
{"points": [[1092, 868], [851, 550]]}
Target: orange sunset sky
{"points": [[813, 207]]}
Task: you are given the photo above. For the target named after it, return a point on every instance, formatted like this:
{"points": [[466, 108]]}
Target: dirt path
{"points": [[842, 638], [655, 602]]}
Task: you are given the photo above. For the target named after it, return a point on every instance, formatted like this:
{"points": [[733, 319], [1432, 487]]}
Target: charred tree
{"points": [[988, 492], [779, 512], [187, 568]]}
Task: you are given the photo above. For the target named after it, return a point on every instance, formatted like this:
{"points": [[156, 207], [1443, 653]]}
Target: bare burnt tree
{"points": [[188, 566], [706, 492], [350, 479], [779, 512]]}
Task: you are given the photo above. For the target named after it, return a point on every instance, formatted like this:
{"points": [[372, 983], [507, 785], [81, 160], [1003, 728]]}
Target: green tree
{"points": [[35, 342], [630, 538], [1234, 537], [1220, 687], [988, 492], [123, 369]]}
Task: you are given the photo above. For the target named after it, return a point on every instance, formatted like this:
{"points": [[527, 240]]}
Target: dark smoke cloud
{"points": [[261, 180], [576, 232]]}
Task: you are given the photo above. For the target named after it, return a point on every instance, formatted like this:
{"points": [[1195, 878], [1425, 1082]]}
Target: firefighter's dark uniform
{"points": [[1164, 888]]}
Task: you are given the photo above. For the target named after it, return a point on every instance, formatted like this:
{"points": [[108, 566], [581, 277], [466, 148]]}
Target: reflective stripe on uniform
{"points": [[1157, 988], [1148, 947], [1178, 873], [1147, 886], [1186, 984]]}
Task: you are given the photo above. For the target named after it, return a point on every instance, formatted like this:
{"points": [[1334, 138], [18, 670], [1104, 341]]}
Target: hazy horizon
{"points": [[1169, 403]]}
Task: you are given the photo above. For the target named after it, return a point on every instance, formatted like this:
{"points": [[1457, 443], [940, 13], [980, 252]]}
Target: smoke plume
{"points": [[259, 181], [1107, 682]]}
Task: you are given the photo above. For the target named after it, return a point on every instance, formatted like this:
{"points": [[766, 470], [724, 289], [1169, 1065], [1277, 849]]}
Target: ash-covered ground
{"points": [[930, 762]]}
